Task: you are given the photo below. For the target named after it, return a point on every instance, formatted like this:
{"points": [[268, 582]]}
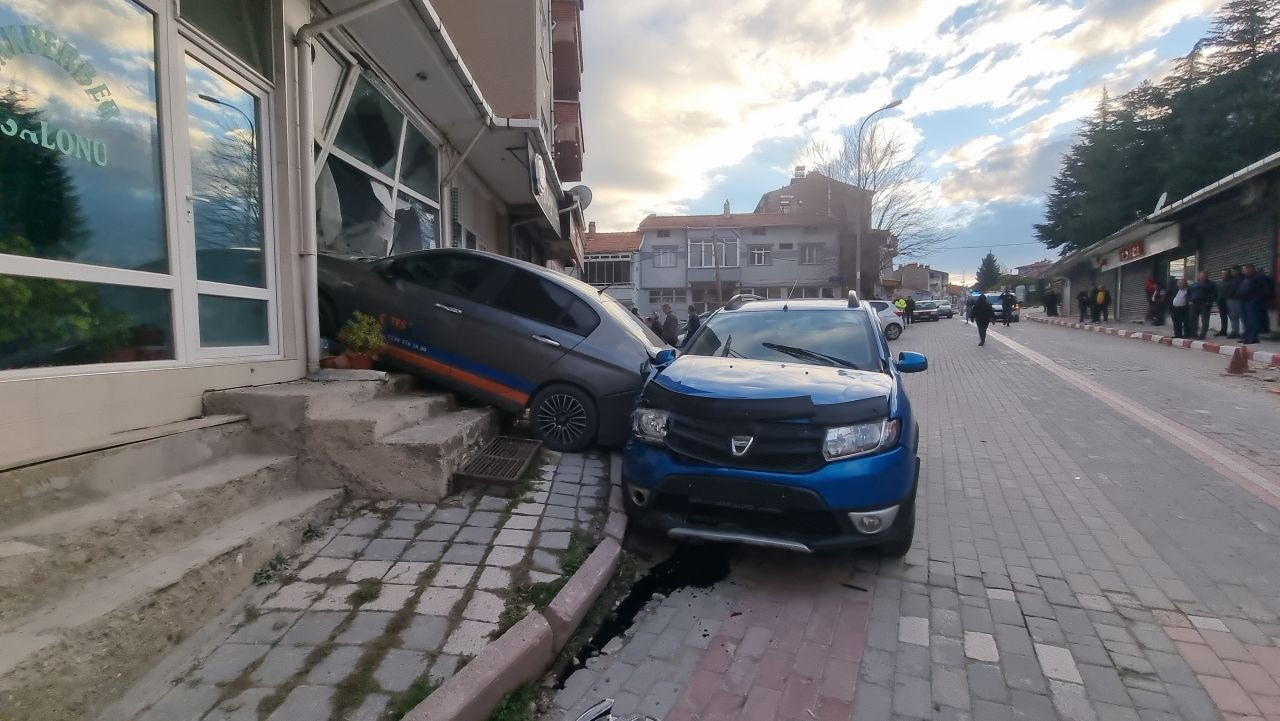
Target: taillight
{"points": [[899, 313]]}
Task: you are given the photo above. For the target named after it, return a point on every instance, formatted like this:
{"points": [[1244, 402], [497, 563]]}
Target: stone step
{"points": [[374, 419], [288, 406], [127, 461], [78, 653], [416, 463], [63, 547]]}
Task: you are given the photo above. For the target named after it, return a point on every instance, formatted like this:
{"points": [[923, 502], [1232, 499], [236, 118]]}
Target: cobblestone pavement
{"points": [[311, 652], [1070, 564]]}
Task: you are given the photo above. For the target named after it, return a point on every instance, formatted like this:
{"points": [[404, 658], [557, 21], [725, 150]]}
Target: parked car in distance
{"points": [[509, 333], [925, 310], [890, 318], [783, 424], [998, 305], [945, 310]]}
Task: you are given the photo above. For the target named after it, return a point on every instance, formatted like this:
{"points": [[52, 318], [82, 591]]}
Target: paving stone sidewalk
{"points": [[391, 596], [1068, 565]]}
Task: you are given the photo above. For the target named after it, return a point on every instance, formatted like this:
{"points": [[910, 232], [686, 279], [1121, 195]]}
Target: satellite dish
{"points": [[583, 194], [1160, 203]]}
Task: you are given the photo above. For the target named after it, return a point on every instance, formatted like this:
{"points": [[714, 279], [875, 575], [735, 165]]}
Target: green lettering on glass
{"points": [[31, 40], [51, 137]]}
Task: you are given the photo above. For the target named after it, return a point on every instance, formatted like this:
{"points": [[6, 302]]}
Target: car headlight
{"points": [[650, 424], [859, 440]]}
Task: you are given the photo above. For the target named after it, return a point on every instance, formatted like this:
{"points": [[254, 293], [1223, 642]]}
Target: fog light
{"points": [[640, 497], [871, 522]]}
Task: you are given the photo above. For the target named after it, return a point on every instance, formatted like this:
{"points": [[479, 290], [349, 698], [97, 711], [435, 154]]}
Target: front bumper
{"points": [[809, 512], [615, 418]]}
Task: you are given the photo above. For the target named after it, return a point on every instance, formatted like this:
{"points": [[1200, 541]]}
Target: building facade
{"points": [[1234, 221], [704, 260], [610, 263], [173, 169], [921, 281]]}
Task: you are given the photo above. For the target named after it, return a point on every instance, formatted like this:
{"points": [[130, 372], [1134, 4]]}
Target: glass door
{"points": [[226, 224]]}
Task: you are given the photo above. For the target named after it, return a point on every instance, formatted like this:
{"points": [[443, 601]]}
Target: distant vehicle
{"points": [[925, 310], [509, 333], [890, 318], [945, 310], [998, 305]]}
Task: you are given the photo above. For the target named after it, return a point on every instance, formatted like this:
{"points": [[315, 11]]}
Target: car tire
{"points": [[904, 530], [893, 331], [564, 418]]}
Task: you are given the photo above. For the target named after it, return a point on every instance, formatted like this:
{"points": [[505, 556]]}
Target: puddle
{"points": [[687, 567]]}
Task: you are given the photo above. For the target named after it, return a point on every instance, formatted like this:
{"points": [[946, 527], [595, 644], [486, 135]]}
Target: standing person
{"points": [[1158, 300], [655, 325], [1082, 303], [1224, 309], [1258, 292], [1179, 308], [1152, 287], [982, 315], [1050, 302], [1235, 307], [670, 326], [694, 323], [1095, 304], [1007, 300], [1203, 295], [911, 310]]}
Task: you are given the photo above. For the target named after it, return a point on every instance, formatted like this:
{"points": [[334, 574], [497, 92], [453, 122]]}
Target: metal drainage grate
{"points": [[504, 460]]}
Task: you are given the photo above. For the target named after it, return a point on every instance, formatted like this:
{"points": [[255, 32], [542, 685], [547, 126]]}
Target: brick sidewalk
{"points": [[435, 581], [1068, 565]]}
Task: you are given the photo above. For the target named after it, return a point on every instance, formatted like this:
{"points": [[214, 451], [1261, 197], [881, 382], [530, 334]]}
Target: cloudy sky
{"points": [[688, 103]]}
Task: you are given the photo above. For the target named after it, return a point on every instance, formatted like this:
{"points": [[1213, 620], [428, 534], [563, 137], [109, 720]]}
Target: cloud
{"points": [[678, 92], [1007, 172]]}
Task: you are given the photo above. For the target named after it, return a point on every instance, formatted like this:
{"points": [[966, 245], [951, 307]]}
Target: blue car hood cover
{"points": [[736, 387]]}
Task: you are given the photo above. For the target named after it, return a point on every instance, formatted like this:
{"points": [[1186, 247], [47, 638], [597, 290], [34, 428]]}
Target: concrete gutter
{"points": [[527, 649]]}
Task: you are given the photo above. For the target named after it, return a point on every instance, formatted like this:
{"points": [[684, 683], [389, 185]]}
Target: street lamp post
{"points": [[862, 215], [252, 127]]}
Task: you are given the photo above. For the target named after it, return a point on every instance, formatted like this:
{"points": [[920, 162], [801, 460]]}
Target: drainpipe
{"points": [[307, 168]]}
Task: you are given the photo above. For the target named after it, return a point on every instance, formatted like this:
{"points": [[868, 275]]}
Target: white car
{"points": [[890, 318]]}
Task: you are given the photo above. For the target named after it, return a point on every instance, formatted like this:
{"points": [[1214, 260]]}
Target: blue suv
{"points": [[782, 424]]}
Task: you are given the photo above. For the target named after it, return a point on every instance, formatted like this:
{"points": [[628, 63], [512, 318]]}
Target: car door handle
{"points": [[548, 341], [448, 308]]}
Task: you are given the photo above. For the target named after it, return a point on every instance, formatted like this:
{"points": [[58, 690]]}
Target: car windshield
{"points": [[926, 305], [817, 337]]}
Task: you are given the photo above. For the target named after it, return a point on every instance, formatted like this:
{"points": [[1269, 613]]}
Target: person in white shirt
{"points": [[1179, 310]]}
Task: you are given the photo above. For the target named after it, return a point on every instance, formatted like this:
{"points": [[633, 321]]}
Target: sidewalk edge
{"points": [[1202, 345]]}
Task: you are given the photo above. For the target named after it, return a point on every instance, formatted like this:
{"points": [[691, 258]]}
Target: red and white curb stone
{"points": [[1201, 345]]}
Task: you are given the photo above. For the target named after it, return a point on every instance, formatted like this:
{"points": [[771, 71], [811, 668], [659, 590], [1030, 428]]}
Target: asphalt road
{"points": [[1098, 540]]}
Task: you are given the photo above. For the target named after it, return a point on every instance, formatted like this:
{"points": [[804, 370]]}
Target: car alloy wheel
{"points": [[563, 418], [892, 331]]}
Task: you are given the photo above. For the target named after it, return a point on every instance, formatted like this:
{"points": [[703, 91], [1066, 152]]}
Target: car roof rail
{"points": [[739, 300], [853, 299]]}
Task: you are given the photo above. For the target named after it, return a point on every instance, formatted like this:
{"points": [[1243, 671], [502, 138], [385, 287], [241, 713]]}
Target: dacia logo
{"points": [[739, 445]]}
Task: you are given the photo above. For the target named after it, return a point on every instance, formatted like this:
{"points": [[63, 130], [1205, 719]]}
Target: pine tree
{"points": [[989, 271]]}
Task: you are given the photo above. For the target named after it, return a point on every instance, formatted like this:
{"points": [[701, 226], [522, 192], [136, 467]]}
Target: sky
{"points": [[688, 103]]}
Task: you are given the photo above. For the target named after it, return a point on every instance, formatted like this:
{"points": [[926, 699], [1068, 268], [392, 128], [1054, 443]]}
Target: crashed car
{"points": [[509, 333], [783, 424]]}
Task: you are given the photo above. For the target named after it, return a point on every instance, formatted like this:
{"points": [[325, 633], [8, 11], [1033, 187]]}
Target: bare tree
{"points": [[904, 202], [228, 177]]}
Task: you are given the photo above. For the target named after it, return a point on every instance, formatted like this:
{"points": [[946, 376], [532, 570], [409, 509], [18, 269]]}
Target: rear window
{"points": [[925, 305], [539, 299], [815, 337]]}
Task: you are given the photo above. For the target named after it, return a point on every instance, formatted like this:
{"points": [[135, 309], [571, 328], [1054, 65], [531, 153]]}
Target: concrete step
{"points": [[288, 406], [374, 419], [416, 463], [127, 461], [56, 550], [79, 652]]}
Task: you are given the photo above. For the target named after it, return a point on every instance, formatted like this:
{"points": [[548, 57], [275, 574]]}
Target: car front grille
{"points": [[775, 446], [756, 507]]}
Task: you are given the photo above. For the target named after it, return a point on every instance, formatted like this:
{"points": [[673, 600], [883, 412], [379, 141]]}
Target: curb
{"points": [[1223, 349], [528, 648]]}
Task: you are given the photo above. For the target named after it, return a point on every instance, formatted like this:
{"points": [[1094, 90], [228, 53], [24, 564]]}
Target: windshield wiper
{"points": [[810, 354], [727, 352]]}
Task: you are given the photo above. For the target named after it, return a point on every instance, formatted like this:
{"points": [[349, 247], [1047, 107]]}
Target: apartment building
{"points": [[703, 260], [162, 240], [610, 263]]}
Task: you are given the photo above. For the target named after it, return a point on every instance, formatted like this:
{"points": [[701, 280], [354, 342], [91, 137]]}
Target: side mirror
{"points": [[909, 362], [664, 358]]}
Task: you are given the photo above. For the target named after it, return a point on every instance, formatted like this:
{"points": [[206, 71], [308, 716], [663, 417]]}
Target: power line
{"points": [[987, 245]]}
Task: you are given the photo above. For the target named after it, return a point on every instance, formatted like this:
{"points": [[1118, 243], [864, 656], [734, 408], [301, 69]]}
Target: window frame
{"points": [[724, 253], [705, 246], [759, 255], [666, 256], [814, 249], [664, 234]]}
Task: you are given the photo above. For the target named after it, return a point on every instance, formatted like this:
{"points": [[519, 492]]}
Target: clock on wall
{"points": [[539, 175]]}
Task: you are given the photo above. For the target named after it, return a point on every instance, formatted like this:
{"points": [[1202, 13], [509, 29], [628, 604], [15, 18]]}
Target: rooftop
{"points": [[735, 220], [625, 242]]}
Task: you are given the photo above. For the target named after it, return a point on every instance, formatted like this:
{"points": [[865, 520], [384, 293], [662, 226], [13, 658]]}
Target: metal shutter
{"points": [[1247, 240], [1133, 290]]}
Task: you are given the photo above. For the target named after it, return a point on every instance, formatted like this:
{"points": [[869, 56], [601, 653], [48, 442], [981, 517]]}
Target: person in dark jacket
{"points": [[1082, 302], [1224, 310], [983, 313], [1050, 302], [910, 311], [1105, 300], [1007, 300], [655, 325], [1235, 308], [1203, 295], [693, 323], [1257, 291], [670, 326], [1159, 305]]}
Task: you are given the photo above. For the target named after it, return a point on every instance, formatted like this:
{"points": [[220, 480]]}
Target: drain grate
{"points": [[504, 460]]}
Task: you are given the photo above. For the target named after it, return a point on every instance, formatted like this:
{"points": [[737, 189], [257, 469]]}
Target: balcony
{"points": [[566, 49], [568, 140]]}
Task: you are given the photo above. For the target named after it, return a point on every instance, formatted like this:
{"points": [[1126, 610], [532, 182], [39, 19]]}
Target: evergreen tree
{"points": [[989, 271]]}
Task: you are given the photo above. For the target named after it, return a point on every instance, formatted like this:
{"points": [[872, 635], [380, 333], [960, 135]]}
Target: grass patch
{"points": [[581, 544], [310, 533], [352, 691], [271, 571], [251, 614], [519, 705], [407, 701], [531, 596], [366, 591], [624, 578]]}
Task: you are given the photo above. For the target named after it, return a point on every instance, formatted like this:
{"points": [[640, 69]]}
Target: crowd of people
{"points": [[980, 311], [1240, 298], [1094, 302]]}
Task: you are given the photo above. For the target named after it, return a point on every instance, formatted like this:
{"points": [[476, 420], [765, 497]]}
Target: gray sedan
{"points": [[506, 332]]}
